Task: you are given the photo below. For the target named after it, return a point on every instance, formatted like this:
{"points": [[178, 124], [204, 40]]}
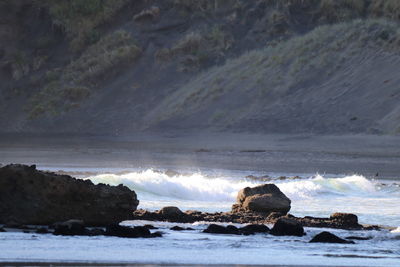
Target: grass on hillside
{"points": [[66, 87], [277, 69], [197, 48]]}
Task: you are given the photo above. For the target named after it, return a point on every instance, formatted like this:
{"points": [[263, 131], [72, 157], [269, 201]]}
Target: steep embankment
{"points": [[337, 78], [115, 67]]}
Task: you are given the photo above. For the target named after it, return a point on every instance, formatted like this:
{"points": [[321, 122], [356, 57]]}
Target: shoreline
{"points": [[148, 264]]}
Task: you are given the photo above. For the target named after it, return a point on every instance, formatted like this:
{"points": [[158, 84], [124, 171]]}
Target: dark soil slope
{"points": [[269, 66]]}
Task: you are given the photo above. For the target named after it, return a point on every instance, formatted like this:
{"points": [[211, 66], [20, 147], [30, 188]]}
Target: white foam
{"points": [[191, 187], [198, 187]]}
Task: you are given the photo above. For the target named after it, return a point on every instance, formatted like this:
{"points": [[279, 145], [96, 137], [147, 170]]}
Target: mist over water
{"points": [[374, 202]]}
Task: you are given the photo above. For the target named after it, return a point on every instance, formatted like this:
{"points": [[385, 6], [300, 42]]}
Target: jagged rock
{"points": [[326, 237], [129, 232], [219, 229], [287, 226], [29, 196], [265, 198]]}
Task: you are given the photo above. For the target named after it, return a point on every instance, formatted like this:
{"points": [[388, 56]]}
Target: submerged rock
{"points": [[177, 228], [254, 228], [265, 198], [129, 232], [327, 237], [219, 229], [287, 226], [29, 196]]}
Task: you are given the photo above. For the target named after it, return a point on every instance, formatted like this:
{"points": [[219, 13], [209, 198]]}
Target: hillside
{"points": [[266, 66]]}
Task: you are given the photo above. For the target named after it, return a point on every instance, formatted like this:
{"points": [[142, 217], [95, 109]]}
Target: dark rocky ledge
{"points": [[29, 196], [345, 221]]}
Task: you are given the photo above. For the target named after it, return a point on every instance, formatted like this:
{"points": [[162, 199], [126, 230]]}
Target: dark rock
{"points": [[265, 198], [42, 230], [95, 232], [150, 227], [326, 237], [254, 228], [286, 226], [219, 229], [71, 227], [128, 232], [2, 230], [346, 219], [29, 196], [358, 238], [177, 228], [157, 234], [171, 212]]}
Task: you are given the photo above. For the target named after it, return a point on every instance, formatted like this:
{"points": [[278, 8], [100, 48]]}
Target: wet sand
{"points": [[372, 156]]}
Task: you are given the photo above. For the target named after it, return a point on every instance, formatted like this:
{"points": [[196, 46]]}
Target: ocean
{"points": [[319, 195]]}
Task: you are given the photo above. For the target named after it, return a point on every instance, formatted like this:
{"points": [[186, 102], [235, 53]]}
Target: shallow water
{"points": [[375, 202]]}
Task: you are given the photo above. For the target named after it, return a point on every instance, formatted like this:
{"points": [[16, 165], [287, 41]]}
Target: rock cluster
{"points": [[29, 196]]}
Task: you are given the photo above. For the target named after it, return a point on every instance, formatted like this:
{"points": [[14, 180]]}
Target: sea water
{"points": [[375, 202]]}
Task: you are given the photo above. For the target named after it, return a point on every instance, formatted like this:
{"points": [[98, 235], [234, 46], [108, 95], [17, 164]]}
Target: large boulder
{"points": [[265, 198], [29, 196]]}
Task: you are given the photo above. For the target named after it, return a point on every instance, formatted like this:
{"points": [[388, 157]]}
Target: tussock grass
{"points": [[113, 50]]}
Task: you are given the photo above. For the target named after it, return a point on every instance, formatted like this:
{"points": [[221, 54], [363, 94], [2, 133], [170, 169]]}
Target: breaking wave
{"points": [[198, 187]]}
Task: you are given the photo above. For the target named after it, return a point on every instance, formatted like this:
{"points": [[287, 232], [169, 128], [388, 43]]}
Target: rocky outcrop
{"points": [[265, 198], [327, 237], [29, 196], [247, 217]]}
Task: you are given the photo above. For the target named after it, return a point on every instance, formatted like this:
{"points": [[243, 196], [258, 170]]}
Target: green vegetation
{"points": [[66, 87], [79, 18]]}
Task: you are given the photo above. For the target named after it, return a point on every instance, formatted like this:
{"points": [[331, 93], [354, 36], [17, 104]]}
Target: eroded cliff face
{"points": [[29, 196], [117, 67]]}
